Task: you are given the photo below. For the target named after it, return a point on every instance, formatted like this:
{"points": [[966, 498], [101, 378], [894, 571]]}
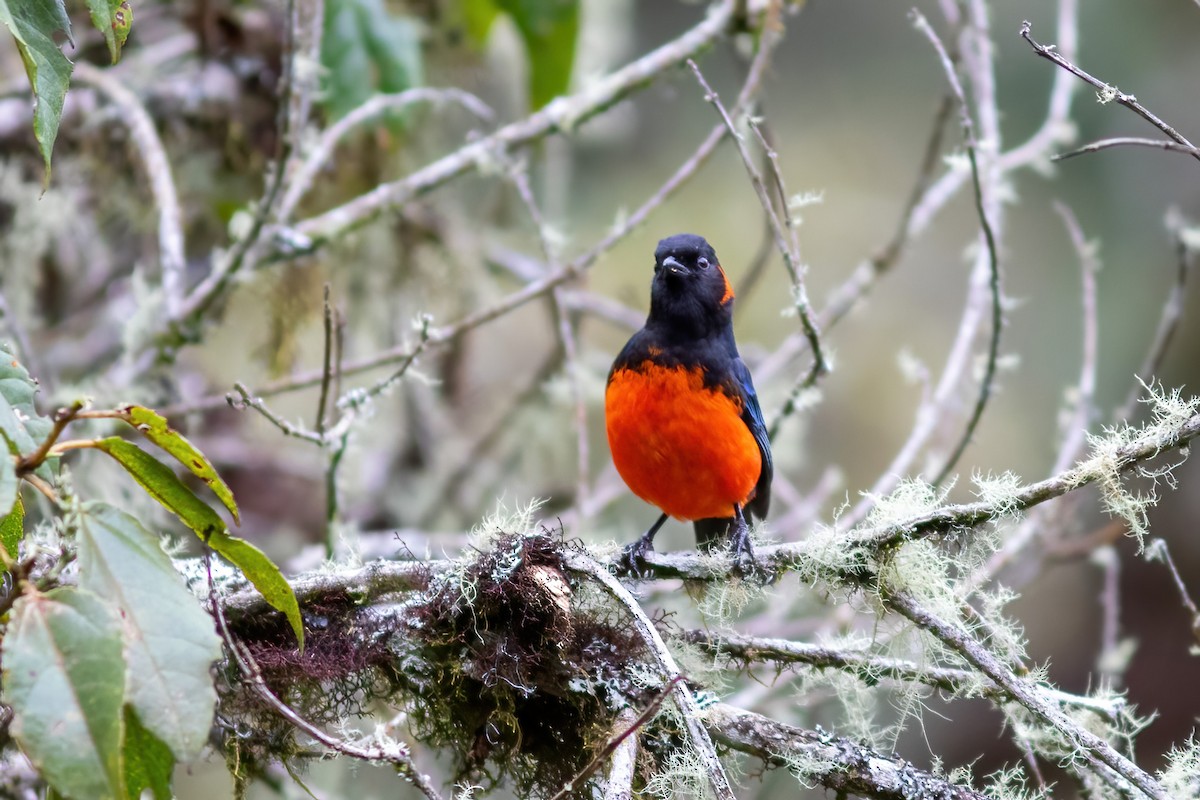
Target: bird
{"points": [[684, 424]]}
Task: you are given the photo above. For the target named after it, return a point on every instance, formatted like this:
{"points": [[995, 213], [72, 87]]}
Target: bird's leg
{"points": [[739, 542], [633, 558]]}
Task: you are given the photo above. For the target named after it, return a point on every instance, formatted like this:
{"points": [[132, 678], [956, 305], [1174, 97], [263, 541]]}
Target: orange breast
{"points": [[679, 445]]}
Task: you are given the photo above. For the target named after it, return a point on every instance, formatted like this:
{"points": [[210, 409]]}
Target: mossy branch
{"points": [[837, 763]]}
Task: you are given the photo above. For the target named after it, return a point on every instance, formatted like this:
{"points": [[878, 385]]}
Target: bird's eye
{"points": [[702, 263]]}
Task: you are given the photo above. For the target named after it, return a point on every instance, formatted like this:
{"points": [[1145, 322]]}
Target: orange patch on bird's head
{"points": [[725, 298]]}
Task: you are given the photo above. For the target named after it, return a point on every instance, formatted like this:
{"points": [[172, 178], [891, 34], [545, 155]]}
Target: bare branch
{"points": [[1076, 428], [565, 329], [619, 782], [989, 236], [306, 18], [327, 368], [149, 147], [562, 114], [1104, 91], [843, 298], [1169, 319], [1108, 660], [783, 238], [1076, 437], [1157, 551], [1127, 141], [246, 399], [301, 182]]}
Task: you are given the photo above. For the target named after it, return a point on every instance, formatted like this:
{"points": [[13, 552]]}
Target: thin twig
{"points": [[766, 245], [1168, 322], [327, 368], [618, 784], [669, 670], [846, 295], [989, 236], [565, 329], [1032, 762], [1127, 141], [249, 400], [1094, 749], [1108, 664], [153, 156], [1105, 92], [865, 275], [43, 488], [628, 728], [28, 463], [1076, 436], [1042, 521], [1056, 129], [475, 454], [356, 397], [395, 754], [783, 238], [1157, 551]]}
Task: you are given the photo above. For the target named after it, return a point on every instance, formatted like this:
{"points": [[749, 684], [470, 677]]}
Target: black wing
{"points": [[753, 417]]}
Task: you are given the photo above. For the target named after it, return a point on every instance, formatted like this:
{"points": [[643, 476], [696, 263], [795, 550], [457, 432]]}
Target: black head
{"points": [[690, 291]]}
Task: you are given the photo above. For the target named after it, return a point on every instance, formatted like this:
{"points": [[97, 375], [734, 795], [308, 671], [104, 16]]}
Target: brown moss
{"points": [[509, 663]]}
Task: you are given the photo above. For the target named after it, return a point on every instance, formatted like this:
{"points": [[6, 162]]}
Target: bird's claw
{"points": [[633, 558], [744, 563]]}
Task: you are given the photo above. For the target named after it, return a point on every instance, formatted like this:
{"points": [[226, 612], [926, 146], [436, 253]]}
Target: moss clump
{"points": [[517, 669], [337, 676], [510, 663]]}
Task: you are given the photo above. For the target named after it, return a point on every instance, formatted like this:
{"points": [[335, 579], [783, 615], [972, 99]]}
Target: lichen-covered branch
{"points": [[959, 682], [836, 763], [1094, 749]]}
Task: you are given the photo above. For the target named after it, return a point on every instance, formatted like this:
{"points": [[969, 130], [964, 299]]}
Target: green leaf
{"points": [[365, 49], [161, 483], [33, 24], [156, 429], [19, 417], [265, 576], [148, 761], [65, 680], [9, 484], [113, 18], [12, 529], [477, 17], [169, 640], [549, 29]]}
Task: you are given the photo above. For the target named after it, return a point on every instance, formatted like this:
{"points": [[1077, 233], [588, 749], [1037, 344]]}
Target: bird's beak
{"points": [[673, 266]]}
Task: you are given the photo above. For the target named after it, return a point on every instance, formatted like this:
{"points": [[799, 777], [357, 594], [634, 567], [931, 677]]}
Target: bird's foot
{"points": [[633, 558], [744, 565]]}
